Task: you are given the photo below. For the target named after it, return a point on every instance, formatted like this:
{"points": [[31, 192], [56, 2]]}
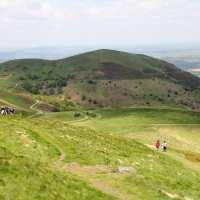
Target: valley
{"points": [[79, 121]]}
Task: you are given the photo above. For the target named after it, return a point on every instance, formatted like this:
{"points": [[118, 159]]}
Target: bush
{"points": [[76, 114], [83, 97], [91, 82], [55, 109], [94, 101]]}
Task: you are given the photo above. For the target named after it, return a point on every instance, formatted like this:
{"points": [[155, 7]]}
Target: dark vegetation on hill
{"points": [[106, 78]]}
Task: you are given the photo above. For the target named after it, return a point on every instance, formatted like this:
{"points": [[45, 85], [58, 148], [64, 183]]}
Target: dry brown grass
{"points": [[190, 156], [25, 98]]}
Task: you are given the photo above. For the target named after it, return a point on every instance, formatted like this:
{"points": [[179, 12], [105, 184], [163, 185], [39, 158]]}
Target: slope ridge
{"points": [[108, 77]]}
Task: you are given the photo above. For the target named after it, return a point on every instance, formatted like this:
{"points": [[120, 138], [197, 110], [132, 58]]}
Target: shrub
{"points": [[91, 82], [83, 97], [76, 114], [55, 109]]}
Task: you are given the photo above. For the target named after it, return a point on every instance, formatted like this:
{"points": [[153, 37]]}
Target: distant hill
{"points": [[106, 153], [106, 78]]}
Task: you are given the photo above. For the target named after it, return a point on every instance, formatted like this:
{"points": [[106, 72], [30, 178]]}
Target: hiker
{"points": [[157, 145], [2, 110], [164, 146], [12, 111], [6, 110]]}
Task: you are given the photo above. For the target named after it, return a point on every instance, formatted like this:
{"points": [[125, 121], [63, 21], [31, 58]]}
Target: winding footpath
{"points": [[14, 86], [37, 111]]}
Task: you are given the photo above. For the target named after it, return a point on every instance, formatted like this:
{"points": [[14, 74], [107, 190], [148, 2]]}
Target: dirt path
{"points": [[59, 161], [176, 156], [38, 111], [13, 105], [15, 86], [80, 120], [84, 119]]}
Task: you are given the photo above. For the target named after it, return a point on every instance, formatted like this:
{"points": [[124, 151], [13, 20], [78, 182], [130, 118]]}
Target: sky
{"points": [[30, 23]]}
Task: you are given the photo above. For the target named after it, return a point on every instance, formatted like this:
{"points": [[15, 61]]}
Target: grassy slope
{"points": [[90, 60], [33, 152], [30, 148], [180, 128], [119, 93], [79, 65], [155, 87]]}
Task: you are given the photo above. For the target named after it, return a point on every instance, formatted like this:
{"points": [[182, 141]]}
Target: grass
{"points": [[31, 147], [59, 156], [22, 178], [64, 117], [13, 99], [180, 128], [6, 84], [153, 85]]}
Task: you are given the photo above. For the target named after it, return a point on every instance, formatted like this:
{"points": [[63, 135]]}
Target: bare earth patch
{"points": [[99, 176], [173, 196]]}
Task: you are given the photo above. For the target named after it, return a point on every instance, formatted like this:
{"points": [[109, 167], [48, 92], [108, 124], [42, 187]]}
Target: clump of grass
{"points": [[189, 155]]}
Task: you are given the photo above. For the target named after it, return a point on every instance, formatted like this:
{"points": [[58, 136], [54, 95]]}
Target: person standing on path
{"points": [[157, 145], [2, 110], [12, 111], [164, 145], [6, 109]]}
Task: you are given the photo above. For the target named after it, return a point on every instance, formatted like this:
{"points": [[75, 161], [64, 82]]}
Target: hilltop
{"points": [[105, 78]]}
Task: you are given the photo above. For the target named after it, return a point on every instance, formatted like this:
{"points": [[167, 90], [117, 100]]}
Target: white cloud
{"points": [[124, 17], [44, 11]]}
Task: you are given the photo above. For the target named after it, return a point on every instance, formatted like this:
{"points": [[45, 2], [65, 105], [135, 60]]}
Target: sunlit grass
{"points": [[30, 151]]}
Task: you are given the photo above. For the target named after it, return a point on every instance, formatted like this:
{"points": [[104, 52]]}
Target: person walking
{"points": [[164, 145], [6, 110], [2, 110], [12, 110], [157, 145]]}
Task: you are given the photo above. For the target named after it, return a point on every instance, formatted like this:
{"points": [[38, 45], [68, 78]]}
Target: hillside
{"points": [[105, 78], [54, 148], [42, 159]]}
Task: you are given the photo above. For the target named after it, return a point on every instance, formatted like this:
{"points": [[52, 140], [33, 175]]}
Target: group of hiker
{"points": [[164, 146], [5, 110]]}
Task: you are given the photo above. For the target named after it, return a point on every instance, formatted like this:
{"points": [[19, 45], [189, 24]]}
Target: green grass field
{"points": [[179, 128], [51, 159]]}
